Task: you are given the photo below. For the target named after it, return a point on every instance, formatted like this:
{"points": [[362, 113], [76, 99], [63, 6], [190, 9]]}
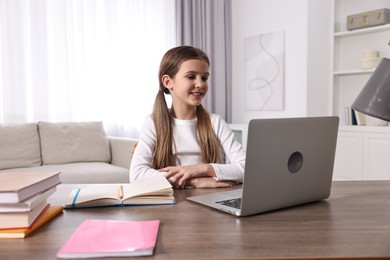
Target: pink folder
{"points": [[98, 238]]}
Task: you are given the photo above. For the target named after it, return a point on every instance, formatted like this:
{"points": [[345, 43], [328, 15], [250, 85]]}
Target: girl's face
{"points": [[189, 85]]}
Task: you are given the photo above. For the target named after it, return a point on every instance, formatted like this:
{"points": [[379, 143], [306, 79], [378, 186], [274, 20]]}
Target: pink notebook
{"points": [[99, 238]]}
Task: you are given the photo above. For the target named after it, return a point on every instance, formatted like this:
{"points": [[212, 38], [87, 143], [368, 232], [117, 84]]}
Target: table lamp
{"points": [[374, 99]]}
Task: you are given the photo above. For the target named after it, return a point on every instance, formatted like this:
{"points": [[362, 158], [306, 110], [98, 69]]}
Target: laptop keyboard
{"points": [[234, 203]]}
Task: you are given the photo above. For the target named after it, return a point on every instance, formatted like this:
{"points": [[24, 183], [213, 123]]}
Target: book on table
{"points": [[155, 191], [47, 215], [21, 219], [111, 238], [17, 186], [28, 204]]}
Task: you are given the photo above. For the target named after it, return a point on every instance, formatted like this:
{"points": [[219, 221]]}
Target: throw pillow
{"points": [[19, 146], [70, 142]]}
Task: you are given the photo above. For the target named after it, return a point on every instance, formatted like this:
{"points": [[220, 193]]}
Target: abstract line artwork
{"points": [[264, 72]]}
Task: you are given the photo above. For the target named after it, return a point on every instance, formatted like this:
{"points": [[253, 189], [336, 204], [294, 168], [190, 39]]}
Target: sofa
{"points": [[81, 151]]}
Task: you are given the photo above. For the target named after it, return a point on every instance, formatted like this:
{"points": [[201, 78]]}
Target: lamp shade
{"points": [[374, 99]]}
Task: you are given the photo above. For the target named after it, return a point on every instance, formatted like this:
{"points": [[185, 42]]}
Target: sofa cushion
{"points": [[19, 146], [73, 142]]}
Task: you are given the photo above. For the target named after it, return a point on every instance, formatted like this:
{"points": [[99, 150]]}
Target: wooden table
{"points": [[353, 222]]}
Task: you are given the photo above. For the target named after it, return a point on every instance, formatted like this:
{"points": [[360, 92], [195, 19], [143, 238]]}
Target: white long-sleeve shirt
{"points": [[188, 151]]}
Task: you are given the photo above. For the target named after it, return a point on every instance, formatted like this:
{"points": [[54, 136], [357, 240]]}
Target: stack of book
{"points": [[24, 203]]}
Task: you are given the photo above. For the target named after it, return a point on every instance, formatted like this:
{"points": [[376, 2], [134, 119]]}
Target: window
{"points": [[76, 60]]}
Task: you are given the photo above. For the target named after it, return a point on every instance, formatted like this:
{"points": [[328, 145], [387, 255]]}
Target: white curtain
{"points": [[76, 60]]}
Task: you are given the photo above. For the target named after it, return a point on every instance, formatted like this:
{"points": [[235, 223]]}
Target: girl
{"points": [[185, 143]]}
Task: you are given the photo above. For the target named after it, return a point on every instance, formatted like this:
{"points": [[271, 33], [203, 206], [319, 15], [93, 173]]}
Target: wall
{"points": [[307, 52]]}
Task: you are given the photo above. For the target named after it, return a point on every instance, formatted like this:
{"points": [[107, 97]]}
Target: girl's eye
{"points": [[205, 78], [191, 76]]}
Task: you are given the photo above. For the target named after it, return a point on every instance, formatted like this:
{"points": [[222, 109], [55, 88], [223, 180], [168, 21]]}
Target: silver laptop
{"points": [[289, 162]]}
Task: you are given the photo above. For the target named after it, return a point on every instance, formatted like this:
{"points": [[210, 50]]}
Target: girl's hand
{"points": [[179, 175], [209, 182]]}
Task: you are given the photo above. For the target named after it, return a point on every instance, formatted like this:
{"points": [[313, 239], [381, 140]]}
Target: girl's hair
{"points": [[165, 145]]}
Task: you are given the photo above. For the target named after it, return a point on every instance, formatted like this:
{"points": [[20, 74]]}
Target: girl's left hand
{"points": [[179, 175], [209, 182]]}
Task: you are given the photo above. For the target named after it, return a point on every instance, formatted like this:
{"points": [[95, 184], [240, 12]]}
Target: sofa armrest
{"points": [[121, 150]]}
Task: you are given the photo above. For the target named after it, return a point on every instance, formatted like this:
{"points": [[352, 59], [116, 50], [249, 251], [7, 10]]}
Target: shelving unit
{"points": [[362, 31], [363, 152], [347, 47]]}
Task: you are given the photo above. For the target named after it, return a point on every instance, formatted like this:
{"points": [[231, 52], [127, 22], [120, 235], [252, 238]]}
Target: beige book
{"points": [[150, 192], [28, 204], [46, 215], [360, 118], [21, 219], [16, 187]]}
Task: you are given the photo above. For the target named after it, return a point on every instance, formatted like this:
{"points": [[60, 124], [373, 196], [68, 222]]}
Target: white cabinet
{"points": [[349, 156], [377, 156], [363, 153]]}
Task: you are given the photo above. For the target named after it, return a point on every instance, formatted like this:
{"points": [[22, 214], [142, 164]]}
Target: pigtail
{"points": [[163, 153], [207, 137]]}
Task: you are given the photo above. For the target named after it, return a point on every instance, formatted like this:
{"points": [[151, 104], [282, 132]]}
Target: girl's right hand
{"points": [[179, 175]]}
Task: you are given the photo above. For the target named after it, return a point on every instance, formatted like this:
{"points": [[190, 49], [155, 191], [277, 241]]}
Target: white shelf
{"points": [[365, 129], [368, 30], [352, 72]]}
